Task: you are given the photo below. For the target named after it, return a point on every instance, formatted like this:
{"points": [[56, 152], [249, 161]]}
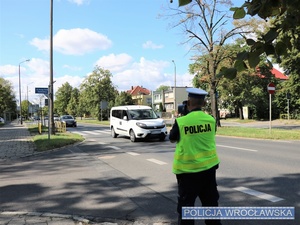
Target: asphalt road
{"points": [[115, 178], [269, 170]]}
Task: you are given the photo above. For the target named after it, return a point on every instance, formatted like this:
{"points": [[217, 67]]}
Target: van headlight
{"points": [[141, 125]]}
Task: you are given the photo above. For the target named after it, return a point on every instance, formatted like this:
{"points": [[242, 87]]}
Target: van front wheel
{"points": [[113, 133], [132, 136]]}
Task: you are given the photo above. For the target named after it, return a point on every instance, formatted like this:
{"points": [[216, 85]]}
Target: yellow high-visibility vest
{"points": [[196, 149]]}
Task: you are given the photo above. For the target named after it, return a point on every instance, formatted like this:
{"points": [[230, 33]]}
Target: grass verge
{"points": [[43, 143], [260, 133]]}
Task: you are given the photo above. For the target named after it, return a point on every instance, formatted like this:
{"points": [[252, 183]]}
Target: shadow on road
{"points": [[67, 183]]}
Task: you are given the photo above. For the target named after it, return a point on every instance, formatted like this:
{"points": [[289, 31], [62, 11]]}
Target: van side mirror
{"points": [[124, 117]]}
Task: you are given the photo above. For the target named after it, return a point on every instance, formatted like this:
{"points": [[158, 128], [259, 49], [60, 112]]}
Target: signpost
{"points": [[271, 90], [39, 90]]}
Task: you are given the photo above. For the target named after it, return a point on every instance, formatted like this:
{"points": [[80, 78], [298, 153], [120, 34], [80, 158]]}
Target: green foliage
{"points": [[7, 97], [63, 96], [161, 107], [275, 134], [291, 64], [184, 2], [58, 140], [25, 106], [284, 18], [163, 88], [95, 88], [204, 25], [124, 98], [72, 107]]}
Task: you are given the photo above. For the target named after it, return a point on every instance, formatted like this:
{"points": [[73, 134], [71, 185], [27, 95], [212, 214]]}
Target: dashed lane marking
{"points": [[258, 194], [243, 149], [157, 161], [133, 153]]}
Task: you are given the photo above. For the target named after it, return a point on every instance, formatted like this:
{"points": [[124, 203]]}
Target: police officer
{"points": [[195, 159]]}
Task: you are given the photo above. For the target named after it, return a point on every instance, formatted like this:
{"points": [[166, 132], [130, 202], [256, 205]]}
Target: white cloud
{"points": [[42, 45], [151, 45], [74, 68], [75, 41], [114, 62], [126, 73], [35, 73], [8, 70], [148, 74], [79, 2]]}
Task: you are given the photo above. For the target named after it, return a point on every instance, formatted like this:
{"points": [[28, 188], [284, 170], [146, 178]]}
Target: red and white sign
{"points": [[271, 88]]}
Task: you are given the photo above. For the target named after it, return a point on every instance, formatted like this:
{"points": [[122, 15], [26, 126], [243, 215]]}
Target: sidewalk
{"points": [[16, 143]]}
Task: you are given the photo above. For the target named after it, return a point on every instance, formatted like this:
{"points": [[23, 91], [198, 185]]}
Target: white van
{"points": [[136, 122]]}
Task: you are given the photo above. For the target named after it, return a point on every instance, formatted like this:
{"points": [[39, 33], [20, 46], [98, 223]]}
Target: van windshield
{"points": [[142, 114]]}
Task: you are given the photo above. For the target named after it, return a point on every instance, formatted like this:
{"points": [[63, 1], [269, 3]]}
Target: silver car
{"points": [[69, 120]]}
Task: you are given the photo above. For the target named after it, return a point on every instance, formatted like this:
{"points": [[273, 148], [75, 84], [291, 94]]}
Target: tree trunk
{"points": [[240, 107], [214, 105]]}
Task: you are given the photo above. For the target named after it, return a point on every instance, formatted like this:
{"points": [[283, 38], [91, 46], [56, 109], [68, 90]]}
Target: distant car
{"points": [[56, 118], [69, 120], [2, 120]]}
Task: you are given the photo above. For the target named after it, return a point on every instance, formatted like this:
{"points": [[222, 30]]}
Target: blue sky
{"points": [[126, 37]]}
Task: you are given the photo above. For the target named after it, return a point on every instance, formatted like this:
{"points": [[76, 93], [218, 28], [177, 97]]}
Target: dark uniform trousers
{"points": [[192, 185]]}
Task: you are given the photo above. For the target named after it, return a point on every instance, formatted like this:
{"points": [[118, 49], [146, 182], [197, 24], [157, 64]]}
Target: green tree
{"points": [[72, 107], [63, 96], [163, 88], [25, 106], [279, 39], [249, 89], [95, 88], [204, 24], [7, 97], [291, 64], [124, 98], [284, 19]]}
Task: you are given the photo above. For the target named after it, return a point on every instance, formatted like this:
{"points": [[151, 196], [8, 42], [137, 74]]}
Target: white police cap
{"points": [[196, 92]]}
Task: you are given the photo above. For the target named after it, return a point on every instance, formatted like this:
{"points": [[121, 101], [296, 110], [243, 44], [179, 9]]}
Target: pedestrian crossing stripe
{"points": [[258, 194], [91, 132]]}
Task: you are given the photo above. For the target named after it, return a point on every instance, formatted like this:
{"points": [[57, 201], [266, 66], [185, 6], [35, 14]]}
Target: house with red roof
{"points": [[140, 95], [278, 74]]}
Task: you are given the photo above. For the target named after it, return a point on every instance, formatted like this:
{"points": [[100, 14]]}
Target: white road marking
{"points": [[106, 157], [114, 147], [157, 161], [90, 132], [106, 131], [95, 132], [258, 194], [92, 139], [244, 149], [133, 153]]}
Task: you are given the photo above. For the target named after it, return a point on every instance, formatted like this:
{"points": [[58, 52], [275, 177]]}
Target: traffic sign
{"points": [[271, 88], [41, 90]]}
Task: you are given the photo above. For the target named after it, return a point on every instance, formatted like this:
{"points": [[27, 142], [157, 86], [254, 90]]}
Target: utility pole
{"points": [[50, 91]]}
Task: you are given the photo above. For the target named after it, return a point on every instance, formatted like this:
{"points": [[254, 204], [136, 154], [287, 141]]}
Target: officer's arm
{"points": [[174, 133]]}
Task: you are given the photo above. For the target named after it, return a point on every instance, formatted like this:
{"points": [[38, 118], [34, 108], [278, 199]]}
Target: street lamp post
{"points": [[27, 60], [28, 100], [174, 85]]}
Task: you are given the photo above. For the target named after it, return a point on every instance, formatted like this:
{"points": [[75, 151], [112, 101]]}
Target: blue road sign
{"points": [[41, 90]]}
